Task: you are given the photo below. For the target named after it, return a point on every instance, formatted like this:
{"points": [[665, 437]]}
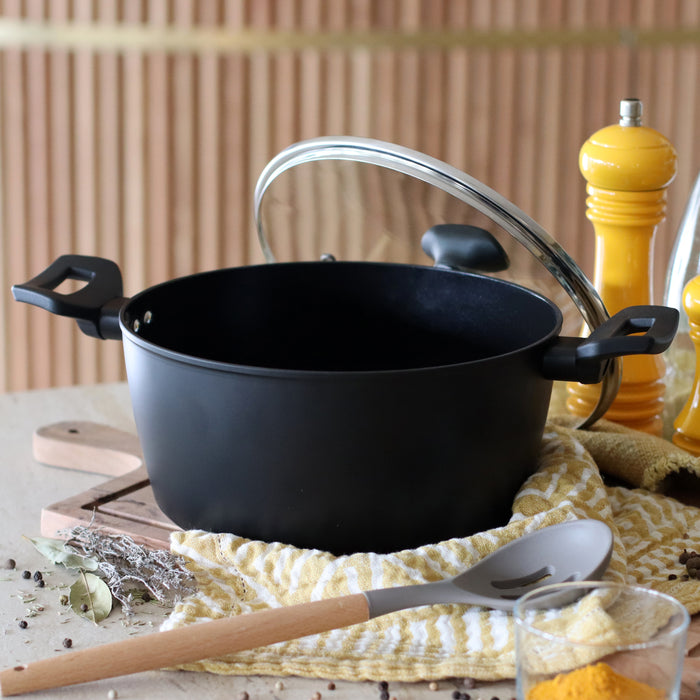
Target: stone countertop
{"points": [[27, 486]]}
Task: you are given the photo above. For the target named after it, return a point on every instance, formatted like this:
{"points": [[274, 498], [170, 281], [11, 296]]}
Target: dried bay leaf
{"points": [[55, 551], [90, 597]]}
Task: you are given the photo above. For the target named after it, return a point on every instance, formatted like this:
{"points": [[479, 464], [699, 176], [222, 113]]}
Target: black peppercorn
{"points": [[693, 562], [67, 643], [672, 577], [41, 583], [26, 574], [23, 624], [10, 564], [84, 607], [38, 576]]}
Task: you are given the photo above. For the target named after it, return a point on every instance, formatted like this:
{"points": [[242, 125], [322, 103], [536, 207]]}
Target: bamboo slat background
{"points": [[136, 129]]}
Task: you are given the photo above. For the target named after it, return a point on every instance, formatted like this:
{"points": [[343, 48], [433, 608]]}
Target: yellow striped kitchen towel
{"points": [[237, 576]]}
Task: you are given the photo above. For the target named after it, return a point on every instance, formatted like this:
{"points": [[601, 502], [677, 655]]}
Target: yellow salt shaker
{"points": [[687, 424], [628, 168]]}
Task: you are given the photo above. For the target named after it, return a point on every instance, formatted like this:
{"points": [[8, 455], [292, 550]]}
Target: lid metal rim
{"points": [[472, 192]]}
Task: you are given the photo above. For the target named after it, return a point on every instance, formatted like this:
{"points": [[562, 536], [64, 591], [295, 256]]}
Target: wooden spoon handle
{"points": [[185, 644]]}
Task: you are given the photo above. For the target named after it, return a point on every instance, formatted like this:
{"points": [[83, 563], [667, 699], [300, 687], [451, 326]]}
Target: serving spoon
{"points": [[571, 551]]}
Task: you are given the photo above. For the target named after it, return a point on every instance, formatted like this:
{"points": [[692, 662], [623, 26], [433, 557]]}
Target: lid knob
{"points": [[628, 168]]}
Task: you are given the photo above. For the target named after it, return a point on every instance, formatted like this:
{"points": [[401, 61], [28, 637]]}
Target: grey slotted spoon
{"points": [[571, 551]]}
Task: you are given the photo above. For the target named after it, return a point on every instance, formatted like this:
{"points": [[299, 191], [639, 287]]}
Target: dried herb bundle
{"points": [[131, 570]]}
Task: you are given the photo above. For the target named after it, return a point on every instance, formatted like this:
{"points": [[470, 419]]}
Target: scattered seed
{"points": [[672, 577], [243, 695], [433, 685], [84, 607], [316, 696], [38, 576], [67, 643], [331, 686], [26, 574], [41, 583], [10, 564], [112, 694], [23, 624], [279, 685]]}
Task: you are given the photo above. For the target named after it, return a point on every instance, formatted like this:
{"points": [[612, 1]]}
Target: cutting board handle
{"points": [[87, 446]]}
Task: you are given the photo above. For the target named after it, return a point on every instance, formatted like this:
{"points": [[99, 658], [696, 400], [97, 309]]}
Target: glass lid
{"points": [[361, 199]]}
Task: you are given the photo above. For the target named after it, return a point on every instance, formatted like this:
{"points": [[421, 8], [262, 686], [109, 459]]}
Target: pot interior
{"points": [[341, 317]]}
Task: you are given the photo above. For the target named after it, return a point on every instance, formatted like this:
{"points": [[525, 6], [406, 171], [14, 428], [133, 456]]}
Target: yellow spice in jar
{"points": [[594, 682]]}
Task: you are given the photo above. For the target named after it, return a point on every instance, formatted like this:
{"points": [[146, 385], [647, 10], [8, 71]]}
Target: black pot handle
{"points": [[465, 248], [95, 306], [586, 360]]}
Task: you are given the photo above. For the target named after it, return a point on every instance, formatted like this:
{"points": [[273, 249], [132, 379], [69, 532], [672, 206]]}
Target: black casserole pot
{"points": [[346, 406]]}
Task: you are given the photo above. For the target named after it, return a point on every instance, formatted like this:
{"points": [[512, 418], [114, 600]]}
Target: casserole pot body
{"points": [[340, 406]]}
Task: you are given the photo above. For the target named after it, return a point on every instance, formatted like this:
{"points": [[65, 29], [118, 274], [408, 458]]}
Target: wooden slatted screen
{"points": [[136, 129]]}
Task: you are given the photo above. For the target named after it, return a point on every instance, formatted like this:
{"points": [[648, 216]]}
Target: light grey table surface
{"points": [[26, 486]]}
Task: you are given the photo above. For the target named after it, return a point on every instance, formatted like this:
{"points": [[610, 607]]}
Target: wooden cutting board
{"points": [[124, 504]]}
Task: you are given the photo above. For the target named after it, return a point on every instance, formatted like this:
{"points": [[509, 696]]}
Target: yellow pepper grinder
{"points": [[687, 424], [628, 168]]}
